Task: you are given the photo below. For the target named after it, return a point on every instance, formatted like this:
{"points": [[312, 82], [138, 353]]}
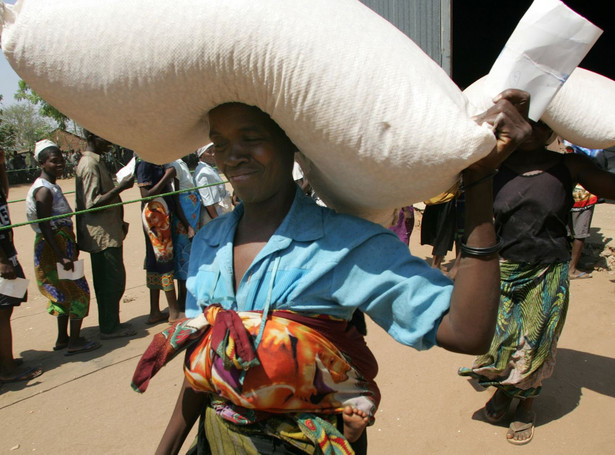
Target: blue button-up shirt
{"points": [[322, 262]]}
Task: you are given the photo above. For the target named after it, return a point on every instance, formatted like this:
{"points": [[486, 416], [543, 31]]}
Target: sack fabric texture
{"points": [[581, 112], [379, 124]]}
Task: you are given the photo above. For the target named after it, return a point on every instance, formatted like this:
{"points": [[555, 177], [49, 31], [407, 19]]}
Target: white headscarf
{"points": [[42, 145], [203, 149]]}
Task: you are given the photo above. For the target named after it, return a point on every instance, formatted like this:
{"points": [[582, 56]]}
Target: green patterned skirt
{"points": [[531, 316]]}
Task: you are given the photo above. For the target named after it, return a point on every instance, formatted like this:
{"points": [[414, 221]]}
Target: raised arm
{"points": [[109, 196], [468, 326], [169, 175], [595, 180]]}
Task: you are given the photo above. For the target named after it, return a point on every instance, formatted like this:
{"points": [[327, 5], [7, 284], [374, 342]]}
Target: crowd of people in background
{"points": [[169, 223]]}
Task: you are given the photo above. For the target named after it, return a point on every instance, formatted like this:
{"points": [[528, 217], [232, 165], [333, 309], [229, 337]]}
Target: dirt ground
{"points": [[84, 404]]}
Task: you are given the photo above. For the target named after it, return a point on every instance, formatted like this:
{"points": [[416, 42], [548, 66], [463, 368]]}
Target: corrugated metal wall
{"points": [[427, 22]]}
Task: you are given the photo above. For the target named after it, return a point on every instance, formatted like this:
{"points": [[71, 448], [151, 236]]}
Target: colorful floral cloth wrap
{"points": [[157, 224], [285, 366]]}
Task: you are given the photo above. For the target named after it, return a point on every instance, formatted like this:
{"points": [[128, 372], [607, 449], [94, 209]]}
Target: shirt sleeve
{"points": [[207, 194], [90, 181], [144, 175], [400, 292]]}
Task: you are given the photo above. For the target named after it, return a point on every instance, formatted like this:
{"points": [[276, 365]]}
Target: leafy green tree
{"points": [[22, 126], [45, 109], [7, 132]]}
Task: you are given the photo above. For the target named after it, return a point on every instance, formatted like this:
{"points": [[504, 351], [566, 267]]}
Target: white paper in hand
{"points": [[75, 274], [126, 171], [548, 44], [14, 288]]}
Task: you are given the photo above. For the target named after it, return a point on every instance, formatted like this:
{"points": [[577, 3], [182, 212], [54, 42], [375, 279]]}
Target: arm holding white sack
{"points": [[469, 324]]}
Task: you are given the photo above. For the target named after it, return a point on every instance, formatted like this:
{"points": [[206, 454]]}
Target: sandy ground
{"points": [[84, 404]]}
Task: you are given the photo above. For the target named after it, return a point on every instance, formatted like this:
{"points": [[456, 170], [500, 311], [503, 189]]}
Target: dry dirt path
{"points": [[84, 404]]}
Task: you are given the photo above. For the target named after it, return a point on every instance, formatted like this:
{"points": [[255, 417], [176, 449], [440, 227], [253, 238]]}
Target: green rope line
{"points": [[117, 204]]}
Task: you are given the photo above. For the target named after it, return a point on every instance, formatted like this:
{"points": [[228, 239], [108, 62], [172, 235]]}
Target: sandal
{"points": [[26, 375], [519, 426], [89, 346]]}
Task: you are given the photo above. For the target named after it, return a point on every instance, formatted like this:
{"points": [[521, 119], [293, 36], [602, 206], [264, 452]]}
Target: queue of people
{"points": [[100, 232]]}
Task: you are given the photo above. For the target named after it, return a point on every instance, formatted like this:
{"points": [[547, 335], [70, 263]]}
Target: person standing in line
{"points": [[216, 199], [102, 233], [55, 248], [582, 211], [184, 225], [532, 202], [11, 369], [154, 180], [403, 223]]}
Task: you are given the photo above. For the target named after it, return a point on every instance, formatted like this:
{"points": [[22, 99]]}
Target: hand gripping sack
{"points": [[379, 124], [581, 112]]}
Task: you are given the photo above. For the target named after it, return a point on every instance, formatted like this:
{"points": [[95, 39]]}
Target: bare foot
{"points": [[174, 317], [155, 318], [355, 422], [81, 345], [497, 407], [61, 343]]}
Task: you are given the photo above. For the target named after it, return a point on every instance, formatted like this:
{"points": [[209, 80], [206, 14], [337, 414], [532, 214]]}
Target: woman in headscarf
{"points": [[55, 249]]}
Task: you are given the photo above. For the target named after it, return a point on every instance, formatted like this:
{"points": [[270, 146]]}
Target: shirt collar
{"points": [[303, 223]]}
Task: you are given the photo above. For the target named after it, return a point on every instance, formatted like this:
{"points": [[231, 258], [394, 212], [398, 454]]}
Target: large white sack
{"points": [[582, 111], [381, 123]]}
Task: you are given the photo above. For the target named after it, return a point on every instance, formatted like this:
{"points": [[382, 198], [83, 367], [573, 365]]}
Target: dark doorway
{"points": [[482, 27]]}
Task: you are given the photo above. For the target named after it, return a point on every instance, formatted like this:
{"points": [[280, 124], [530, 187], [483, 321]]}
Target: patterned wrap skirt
{"points": [[66, 297], [533, 306], [159, 264]]}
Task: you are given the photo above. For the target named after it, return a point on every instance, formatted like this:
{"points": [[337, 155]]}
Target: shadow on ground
{"points": [[49, 360]]}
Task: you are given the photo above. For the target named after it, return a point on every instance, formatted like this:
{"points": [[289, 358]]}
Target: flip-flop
{"points": [[516, 427], [89, 346], [581, 275], [30, 373]]}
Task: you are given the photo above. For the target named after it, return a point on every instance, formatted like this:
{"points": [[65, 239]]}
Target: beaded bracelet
{"points": [[482, 251], [491, 174]]}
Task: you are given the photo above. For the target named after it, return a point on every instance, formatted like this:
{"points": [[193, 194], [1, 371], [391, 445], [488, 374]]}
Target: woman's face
{"points": [[251, 151], [54, 164]]}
